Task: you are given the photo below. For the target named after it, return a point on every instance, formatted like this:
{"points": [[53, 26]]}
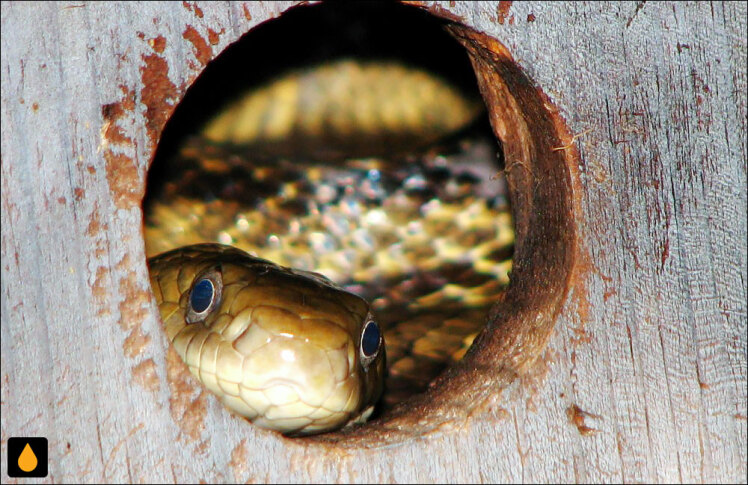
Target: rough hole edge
{"points": [[539, 176]]}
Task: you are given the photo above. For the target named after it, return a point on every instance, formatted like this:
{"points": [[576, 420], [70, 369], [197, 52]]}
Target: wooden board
{"points": [[651, 341]]}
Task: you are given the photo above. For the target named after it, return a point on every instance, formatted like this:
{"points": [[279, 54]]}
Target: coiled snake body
{"points": [[426, 238]]}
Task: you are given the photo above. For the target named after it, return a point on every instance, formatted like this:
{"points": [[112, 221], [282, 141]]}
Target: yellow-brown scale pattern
{"points": [[425, 235]]}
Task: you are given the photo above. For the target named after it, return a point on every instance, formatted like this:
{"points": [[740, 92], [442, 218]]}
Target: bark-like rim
{"points": [[539, 167]]}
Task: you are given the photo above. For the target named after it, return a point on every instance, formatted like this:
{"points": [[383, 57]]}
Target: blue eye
{"points": [[202, 295], [370, 339], [205, 296]]}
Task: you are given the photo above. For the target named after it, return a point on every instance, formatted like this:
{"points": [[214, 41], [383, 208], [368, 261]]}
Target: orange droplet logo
{"points": [[27, 460]]}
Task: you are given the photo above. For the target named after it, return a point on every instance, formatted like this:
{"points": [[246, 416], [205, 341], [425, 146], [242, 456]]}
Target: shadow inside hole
{"points": [[216, 175], [307, 36]]}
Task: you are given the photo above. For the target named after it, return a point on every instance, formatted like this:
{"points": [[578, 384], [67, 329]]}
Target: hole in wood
{"points": [[410, 211]]}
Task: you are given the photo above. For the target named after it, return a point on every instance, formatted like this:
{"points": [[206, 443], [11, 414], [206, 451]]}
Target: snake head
{"points": [[287, 349]]}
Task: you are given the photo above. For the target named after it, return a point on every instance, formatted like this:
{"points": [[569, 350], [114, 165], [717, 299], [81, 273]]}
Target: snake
{"points": [[285, 348], [310, 296]]}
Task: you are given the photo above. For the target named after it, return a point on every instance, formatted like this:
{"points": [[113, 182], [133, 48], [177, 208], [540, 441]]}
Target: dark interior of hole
{"points": [[305, 36]]}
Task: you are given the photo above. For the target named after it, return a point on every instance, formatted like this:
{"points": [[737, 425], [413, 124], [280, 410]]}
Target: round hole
{"points": [[192, 164]]}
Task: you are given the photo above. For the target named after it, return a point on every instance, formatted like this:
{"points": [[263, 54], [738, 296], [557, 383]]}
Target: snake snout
{"points": [[297, 372]]}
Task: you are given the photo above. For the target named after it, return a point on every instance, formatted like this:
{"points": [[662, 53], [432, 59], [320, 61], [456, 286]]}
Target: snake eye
{"points": [[205, 296], [202, 295], [371, 341]]}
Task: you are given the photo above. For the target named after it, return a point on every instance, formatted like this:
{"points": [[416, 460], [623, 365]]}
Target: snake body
{"points": [[345, 108], [423, 237]]}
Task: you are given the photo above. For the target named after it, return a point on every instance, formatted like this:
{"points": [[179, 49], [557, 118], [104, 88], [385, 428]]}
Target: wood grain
{"points": [[644, 378]]}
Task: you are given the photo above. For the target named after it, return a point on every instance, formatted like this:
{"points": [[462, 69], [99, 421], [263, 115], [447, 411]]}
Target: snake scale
{"points": [[395, 216]]}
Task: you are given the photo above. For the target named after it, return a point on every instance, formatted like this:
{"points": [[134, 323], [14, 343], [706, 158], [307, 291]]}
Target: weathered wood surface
{"points": [[652, 339]]}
